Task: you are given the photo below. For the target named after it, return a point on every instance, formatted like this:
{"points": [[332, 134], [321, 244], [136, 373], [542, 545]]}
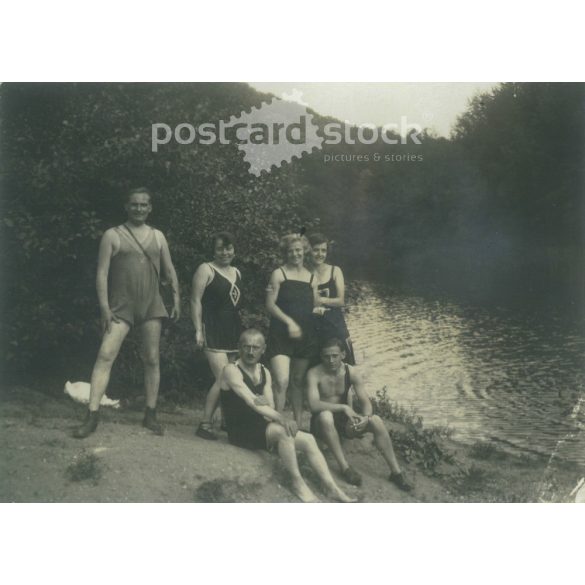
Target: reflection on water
{"points": [[488, 373]]}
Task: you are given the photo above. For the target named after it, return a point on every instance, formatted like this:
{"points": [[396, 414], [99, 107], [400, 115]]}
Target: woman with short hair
{"points": [[291, 296], [329, 319], [215, 301]]}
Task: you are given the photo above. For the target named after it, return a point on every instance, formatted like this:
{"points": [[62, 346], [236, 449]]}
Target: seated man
{"points": [[328, 386], [253, 423]]}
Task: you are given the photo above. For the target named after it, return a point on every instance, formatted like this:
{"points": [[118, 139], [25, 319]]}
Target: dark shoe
{"points": [[89, 425], [352, 476], [400, 482], [151, 423], [205, 431]]}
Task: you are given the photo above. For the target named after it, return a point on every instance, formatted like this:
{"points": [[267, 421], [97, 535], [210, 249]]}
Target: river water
{"points": [[491, 374]]}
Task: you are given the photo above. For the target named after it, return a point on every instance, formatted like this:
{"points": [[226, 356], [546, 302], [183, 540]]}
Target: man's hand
{"points": [[199, 339], [320, 310], [175, 313], [290, 426], [351, 413], [106, 320], [294, 331], [361, 424]]}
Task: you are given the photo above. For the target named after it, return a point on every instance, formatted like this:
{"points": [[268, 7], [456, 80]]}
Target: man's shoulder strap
{"points": [[142, 248], [347, 377]]}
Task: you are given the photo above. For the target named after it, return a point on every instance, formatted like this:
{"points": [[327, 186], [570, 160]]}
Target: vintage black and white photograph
{"points": [[292, 292]]}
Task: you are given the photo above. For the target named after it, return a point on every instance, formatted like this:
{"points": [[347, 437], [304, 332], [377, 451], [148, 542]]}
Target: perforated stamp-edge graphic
{"points": [[281, 113]]}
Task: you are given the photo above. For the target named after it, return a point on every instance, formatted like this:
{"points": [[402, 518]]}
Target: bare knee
{"points": [[275, 433], [377, 424], [281, 384], [151, 359], [305, 441], [326, 419], [285, 439], [106, 357], [298, 380]]}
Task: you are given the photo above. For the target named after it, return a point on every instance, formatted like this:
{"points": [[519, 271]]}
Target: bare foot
{"points": [[337, 494], [302, 491]]}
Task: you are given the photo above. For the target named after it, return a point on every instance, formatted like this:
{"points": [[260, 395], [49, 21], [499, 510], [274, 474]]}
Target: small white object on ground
{"points": [[79, 391]]}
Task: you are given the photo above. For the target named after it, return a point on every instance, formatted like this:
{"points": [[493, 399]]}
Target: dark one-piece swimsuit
{"points": [[245, 427], [295, 299], [221, 318], [332, 323]]}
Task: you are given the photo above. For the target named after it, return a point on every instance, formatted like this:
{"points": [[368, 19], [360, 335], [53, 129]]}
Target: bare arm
{"points": [[294, 330], [317, 299], [170, 274], [314, 397], [233, 379], [272, 296], [201, 279], [357, 382], [268, 389]]}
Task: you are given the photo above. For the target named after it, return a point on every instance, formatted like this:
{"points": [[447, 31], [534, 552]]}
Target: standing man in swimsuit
{"points": [[253, 423], [328, 386], [128, 276], [215, 301], [291, 296]]}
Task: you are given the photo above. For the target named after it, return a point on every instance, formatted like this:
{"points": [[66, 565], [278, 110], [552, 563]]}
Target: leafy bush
{"points": [[484, 450], [69, 153], [412, 440]]}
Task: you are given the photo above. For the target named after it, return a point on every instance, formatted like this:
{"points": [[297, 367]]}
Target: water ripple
{"points": [[488, 374]]}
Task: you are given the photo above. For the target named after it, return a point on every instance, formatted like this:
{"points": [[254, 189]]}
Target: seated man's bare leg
{"points": [[306, 443], [276, 435], [383, 442], [109, 350], [330, 435], [279, 367]]}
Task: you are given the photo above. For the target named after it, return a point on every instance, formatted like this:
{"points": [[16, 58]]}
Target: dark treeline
{"points": [[494, 212], [69, 153]]}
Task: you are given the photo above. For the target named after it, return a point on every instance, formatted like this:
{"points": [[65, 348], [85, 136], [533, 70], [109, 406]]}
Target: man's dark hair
{"points": [[333, 342], [225, 238], [135, 190]]}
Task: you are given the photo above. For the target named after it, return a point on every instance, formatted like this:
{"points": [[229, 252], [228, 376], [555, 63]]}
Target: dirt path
{"points": [[122, 462]]}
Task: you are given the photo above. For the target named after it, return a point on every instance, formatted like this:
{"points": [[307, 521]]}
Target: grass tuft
{"points": [[87, 468]]}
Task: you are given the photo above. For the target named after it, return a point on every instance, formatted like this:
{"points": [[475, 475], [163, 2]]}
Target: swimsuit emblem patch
{"points": [[235, 295]]}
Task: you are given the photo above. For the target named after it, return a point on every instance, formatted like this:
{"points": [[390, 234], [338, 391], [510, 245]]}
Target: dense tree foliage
{"points": [[69, 153], [495, 211]]}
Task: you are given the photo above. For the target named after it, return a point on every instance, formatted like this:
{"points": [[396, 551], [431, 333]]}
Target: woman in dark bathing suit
{"points": [[215, 302], [291, 296], [329, 320]]}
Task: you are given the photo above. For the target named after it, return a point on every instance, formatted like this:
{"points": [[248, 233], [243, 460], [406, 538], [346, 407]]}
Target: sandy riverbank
{"points": [[122, 462]]}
